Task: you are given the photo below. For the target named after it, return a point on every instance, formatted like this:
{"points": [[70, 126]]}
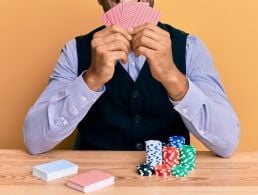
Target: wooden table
{"points": [[213, 175]]}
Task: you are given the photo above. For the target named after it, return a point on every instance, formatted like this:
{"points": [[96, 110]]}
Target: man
{"points": [[121, 88]]}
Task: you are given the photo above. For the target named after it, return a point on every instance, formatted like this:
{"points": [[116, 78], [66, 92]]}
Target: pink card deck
{"points": [[90, 181], [129, 14]]}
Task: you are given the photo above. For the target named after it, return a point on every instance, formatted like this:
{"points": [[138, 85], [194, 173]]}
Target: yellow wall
{"points": [[33, 32]]}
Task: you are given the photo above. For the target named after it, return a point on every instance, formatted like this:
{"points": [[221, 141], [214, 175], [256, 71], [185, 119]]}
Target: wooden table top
{"points": [[213, 175]]}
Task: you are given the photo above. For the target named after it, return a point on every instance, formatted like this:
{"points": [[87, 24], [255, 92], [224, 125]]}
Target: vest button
{"points": [[137, 118], [135, 94], [139, 146]]}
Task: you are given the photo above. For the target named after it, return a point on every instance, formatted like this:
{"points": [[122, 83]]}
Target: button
{"points": [[137, 118], [185, 110], [135, 94], [84, 99], [132, 64], [139, 146], [65, 122]]}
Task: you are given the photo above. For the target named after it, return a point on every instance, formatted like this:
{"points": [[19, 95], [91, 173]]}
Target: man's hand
{"points": [[155, 44], [108, 46]]}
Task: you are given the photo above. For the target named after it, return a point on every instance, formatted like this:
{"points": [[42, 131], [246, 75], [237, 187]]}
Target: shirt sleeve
{"points": [[61, 106], [205, 109]]}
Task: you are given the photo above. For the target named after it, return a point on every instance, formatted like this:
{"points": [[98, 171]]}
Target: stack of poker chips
{"points": [[187, 161], [145, 169], [175, 158], [171, 156], [179, 171], [162, 170], [188, 157], [176, 141], [153, 158], [153, 152]]}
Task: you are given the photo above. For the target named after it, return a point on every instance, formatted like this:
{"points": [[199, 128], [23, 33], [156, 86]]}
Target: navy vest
{"points": [[128, 113]]}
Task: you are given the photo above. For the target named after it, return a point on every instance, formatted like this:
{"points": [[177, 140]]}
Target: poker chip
{"points": [[171, 156], [176, 141], [153, 152], [162, 170], [188, 157], [145, 169], [179, 171], [189, 167]]}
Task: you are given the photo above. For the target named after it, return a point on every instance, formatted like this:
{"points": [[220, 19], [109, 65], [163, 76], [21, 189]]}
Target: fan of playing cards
{"points": [[129, 14]]}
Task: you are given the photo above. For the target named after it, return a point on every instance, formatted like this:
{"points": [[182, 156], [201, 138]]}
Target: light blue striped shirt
{"points": [[205, 109]]}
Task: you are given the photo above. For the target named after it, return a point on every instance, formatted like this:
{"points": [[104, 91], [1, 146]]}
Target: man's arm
{"points": [[62, 105], [68, 98], [205, 108], [200, 99]]}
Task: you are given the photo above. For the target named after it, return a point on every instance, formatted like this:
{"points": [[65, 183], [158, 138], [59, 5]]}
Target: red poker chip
{"points": [[162, 170], [164, 174], [171, 156]]}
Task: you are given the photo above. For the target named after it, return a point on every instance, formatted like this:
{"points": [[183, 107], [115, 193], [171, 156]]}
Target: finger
{"points": [[113, 46], [145, 42], [109, 39], [105, 50], [147, 33], [117, 46], [150, 27], [148, 53], [113, 29], [119, 55]]}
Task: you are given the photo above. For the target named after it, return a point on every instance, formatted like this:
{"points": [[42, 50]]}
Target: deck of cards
{"points": [[129, 14], [54, 170], [90, 181], [84, 182]]}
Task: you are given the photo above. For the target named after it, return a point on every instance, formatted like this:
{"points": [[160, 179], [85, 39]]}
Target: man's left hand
{"points": [[155, 44]]}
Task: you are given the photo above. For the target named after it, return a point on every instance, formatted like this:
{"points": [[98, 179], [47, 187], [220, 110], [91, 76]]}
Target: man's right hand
{"points": [[108, 46]]}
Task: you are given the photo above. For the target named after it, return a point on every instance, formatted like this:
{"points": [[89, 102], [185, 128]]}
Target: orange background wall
{"points": [[32, 34]]}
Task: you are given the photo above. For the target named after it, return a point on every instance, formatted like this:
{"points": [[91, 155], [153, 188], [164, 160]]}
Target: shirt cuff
{"points": [[192, 102], [81, 94]]}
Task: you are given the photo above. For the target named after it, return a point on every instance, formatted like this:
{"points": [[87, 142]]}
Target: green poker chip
{"points": [[189, 167], [188, 157], [179, 171]]}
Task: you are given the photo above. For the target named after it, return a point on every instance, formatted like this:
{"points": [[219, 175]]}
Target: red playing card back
{"points": [[90, 181]]}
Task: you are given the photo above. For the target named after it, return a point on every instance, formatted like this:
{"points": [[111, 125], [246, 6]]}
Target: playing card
{"points": [[114, 15], [151, 16], [131, 13], [106, 20], [142, 16]]}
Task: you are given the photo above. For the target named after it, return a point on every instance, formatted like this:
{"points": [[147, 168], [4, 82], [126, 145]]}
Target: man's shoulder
{"points": [[172, 29], [90, 34]]}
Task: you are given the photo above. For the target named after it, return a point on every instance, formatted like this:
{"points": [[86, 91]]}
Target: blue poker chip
{"points": [[176, 141]]}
